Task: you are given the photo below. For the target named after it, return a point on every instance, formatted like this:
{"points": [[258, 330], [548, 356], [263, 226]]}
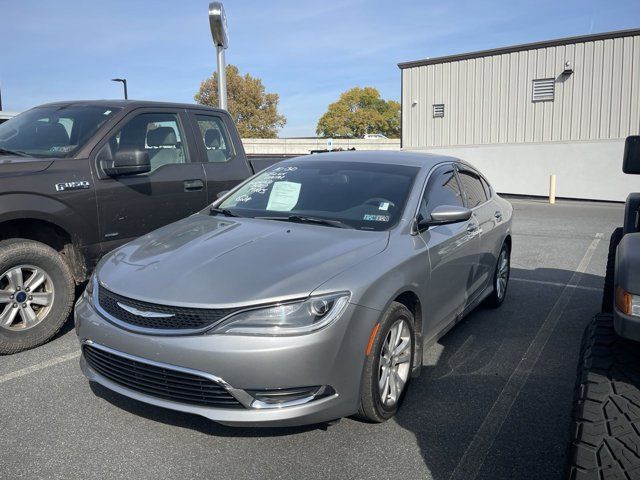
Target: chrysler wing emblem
{"points": [[144, 313]]}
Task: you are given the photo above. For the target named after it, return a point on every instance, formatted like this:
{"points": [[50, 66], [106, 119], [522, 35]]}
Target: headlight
{"points": [[88, 291], [627, 303], [288, 318]]}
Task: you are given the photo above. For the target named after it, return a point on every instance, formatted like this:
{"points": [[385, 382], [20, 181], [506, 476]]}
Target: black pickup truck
{"points": [[78, 179]]}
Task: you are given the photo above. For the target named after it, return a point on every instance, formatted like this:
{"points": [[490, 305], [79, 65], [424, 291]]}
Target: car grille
{"points": [[158, 381], [182, 318]]}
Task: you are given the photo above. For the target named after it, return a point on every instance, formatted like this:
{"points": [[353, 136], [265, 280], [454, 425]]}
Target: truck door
{"points": [[220, 152], [132, 205]]}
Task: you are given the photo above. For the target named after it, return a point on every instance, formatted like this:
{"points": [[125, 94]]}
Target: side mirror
{"points": [[128, 162], [222, 193], [445, 214], [631, 159]]}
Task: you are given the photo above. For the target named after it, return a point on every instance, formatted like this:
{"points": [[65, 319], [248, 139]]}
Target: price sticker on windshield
{"points": [[284, 196]]}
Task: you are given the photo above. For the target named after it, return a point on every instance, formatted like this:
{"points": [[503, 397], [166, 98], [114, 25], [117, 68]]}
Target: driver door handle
{"points": [[193, 185], [472, 227]]}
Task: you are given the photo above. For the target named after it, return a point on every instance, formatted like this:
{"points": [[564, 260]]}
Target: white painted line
{"points": [[473, 458], [556, 284], [34, 368]]}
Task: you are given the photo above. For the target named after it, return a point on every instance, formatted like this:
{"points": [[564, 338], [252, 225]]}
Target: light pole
{"points": [[124, 83], [218, 24]]}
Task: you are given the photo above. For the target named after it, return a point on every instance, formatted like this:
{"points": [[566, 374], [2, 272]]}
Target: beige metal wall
{"points": [[488, 99]]}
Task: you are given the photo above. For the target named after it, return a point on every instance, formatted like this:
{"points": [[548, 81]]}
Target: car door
{"points": [[484, 211], [221, 154], [132, 205], [452, 250]]}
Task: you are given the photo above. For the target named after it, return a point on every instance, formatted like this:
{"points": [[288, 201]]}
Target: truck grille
{"points": [[182, 318], [160, 382]]}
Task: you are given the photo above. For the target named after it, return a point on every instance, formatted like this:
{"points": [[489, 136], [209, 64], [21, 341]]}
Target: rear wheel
{"points": [[500, 278], [388, 365], [36, 294], [607, 293]]}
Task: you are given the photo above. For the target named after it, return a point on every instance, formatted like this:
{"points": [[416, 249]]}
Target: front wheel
{"points": [[500, 278], [36, 294], [388, 365]]}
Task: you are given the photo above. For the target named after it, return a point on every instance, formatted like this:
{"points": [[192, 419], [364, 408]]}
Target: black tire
{"points": [[371, 407], [607, 293], [605, 441], [495, 300], [17, 252]]}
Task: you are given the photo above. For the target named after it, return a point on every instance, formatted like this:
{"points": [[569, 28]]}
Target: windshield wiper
{"points": [[301, 219], [4, 151], [223, 211]]}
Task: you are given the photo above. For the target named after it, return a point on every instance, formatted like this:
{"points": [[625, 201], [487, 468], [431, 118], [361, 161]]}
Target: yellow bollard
{"points": [[552, 189]]}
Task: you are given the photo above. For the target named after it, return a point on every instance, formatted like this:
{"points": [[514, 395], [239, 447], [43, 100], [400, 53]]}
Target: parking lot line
{"points": [[34, 368], [475, 454], [555, 284]]}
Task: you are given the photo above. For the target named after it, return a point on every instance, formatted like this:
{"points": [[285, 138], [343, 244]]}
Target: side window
{"points": [[215, 138], [487, 188], [159, 134], [473, 189], [442, 189]]}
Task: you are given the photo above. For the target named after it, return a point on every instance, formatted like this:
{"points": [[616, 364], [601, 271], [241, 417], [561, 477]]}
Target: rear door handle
{"points": [[498, 215], [193, 185]]}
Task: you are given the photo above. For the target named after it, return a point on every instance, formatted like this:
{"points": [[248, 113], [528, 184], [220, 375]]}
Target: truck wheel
{"points": [[604, 433], [607, 294], [388, 366], [37, 291]]}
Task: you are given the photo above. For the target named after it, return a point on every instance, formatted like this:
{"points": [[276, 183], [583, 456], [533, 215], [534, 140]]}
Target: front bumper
{"points": [[333, 356]]}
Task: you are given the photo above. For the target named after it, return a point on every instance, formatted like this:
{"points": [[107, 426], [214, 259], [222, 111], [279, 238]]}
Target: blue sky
{"points": [[308, 52]]}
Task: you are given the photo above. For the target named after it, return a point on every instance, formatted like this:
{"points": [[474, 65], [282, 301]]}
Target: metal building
{"points": [[525, 112]]}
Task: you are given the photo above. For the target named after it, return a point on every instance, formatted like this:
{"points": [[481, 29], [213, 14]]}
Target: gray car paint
{"points": [[213, 261]]}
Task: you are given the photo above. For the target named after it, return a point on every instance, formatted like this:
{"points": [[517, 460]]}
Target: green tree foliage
{"points": [[253, 109], [360, 111]]}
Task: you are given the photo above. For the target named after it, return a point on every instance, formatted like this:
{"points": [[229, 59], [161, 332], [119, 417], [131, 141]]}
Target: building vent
{"points": [[544, 90], [438, 110]]}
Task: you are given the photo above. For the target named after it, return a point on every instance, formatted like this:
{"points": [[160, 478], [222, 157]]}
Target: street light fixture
{"points": [[218, 24], [124, 83]]}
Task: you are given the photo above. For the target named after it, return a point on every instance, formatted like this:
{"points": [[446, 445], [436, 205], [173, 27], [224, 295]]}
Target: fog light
{"points": [[288, 397]]}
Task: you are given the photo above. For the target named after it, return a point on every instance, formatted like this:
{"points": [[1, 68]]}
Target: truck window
{"points": [[159, 134], [215, 138]]}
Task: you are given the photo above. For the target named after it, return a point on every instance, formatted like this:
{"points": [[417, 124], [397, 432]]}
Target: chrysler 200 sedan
{"points": [[306, 294]]}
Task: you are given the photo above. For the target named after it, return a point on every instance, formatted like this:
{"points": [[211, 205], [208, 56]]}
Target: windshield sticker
{"points": [[376, 218], [262, 183], [384, 206], [284, 196]]}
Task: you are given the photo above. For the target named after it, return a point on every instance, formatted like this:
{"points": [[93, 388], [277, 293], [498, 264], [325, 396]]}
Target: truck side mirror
{"points": [[631, 159], [128, 162]]}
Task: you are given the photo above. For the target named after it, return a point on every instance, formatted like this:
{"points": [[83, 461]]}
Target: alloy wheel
{"points": [[502, 277], [395, 363], [26, 297]]}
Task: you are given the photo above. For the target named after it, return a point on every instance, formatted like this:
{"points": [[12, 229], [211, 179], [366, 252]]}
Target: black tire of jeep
{"points": [[15, 252], [605, 442], [371, 408], [607, 293]]}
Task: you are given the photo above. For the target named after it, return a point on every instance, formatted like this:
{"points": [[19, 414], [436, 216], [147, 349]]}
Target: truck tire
{"points": [[37, 291], [607, 293], [605, 441]]}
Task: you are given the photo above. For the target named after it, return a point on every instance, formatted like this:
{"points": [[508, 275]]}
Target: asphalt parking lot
{"points": [[494, 399]]}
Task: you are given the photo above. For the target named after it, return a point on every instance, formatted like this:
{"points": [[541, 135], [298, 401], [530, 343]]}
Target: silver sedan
{"points": [[306, 294]]}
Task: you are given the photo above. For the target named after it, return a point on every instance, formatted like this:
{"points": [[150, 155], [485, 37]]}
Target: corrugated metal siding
{"points": [[488, 100]]}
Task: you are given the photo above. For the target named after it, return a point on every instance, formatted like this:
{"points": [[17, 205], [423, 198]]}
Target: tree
{"points": [[360, 111], [253, 109]]}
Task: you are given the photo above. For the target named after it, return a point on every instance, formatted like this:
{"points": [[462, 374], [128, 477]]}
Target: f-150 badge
{"points": [[61, 187]]}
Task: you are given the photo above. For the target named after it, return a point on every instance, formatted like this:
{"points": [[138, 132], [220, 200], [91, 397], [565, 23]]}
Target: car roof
{"points": [[410, 159], [128, 104]]}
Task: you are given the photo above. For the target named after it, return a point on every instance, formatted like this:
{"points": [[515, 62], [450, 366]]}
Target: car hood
{"points": [[15, 165], [212, 261]]}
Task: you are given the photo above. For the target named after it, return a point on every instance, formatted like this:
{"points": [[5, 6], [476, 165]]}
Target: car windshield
{"points": [[366, 196], [54, 131]]}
